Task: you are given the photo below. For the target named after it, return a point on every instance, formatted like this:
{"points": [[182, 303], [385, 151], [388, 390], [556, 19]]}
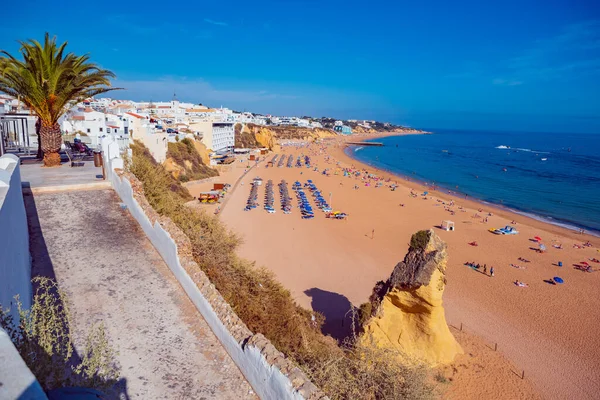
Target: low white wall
{"points": [[16, 380], [266, 379], [15, 261]]}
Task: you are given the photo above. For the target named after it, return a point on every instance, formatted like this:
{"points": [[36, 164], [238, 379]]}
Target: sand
{"points": [[549, 331]]}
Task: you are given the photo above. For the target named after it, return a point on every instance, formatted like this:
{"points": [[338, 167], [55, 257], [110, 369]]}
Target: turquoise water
{"points": [[550, 176]]}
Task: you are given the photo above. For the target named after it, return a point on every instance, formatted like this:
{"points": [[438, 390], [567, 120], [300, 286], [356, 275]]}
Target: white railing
{"points": [[123, 143]]}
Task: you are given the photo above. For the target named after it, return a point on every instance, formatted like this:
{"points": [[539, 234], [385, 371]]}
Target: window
{"points": [[88, 130], [101, 129]]}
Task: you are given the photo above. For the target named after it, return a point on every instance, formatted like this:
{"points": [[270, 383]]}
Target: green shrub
{"points": [[365, 313], [419, 240]]}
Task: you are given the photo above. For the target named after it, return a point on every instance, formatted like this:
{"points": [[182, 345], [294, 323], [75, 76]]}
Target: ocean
{"points": [[553, 177]]}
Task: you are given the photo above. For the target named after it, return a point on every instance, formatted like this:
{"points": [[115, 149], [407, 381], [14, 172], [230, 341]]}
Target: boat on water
{"points": [[544, 159]]}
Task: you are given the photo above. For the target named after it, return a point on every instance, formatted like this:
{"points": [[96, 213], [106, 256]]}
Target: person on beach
{"points": [[491, 271], [485, 269]]}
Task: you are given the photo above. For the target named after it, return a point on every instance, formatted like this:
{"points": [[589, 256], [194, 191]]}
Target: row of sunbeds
{"points": [[286, 200], [269, 197], [318, 197], [253, 196], [303, 203]]}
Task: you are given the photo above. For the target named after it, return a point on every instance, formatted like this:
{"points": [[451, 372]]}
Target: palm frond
{"points": [[48, 79]]}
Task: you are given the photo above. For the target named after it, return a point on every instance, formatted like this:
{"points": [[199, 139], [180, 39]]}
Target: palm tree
{"points": [[49, 82]]}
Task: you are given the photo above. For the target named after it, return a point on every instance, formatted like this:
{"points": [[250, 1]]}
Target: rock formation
{"points": [[252, 136], [406, 312]]}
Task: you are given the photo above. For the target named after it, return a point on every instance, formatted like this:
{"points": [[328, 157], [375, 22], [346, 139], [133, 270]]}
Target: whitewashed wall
{"points": [[15, 261], [16, 380]]}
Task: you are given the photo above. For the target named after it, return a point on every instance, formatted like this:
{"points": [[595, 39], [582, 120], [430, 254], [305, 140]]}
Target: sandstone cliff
{"points": [[253, 136], [406, 311]]}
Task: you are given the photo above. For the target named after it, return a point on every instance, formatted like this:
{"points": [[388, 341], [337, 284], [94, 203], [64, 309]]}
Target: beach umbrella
{"points": [[542, 247], [558, 279], [539, 239], [584, 263]]}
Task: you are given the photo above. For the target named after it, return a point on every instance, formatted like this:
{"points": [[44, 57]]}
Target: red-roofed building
{"points": [[135, 115]]}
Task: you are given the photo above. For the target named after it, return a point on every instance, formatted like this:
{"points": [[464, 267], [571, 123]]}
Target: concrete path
{"points": [[65, 177], [111, 273]]}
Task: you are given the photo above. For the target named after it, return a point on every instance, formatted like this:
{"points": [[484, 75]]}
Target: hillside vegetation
{"points": [[351, 371], [185, 162]]}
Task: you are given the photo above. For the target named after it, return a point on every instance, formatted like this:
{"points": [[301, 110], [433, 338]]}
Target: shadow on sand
{"points": [[337, 310]]}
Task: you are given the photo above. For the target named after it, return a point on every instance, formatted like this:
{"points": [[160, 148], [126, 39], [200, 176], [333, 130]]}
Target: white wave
{"points": [[533, 151], [503, 147], [358, 148]]}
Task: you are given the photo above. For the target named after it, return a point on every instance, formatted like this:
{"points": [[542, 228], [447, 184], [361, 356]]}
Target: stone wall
{"points": [[271, 375]]}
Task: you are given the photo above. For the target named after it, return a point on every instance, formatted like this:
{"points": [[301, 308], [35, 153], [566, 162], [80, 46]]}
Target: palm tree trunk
{"points": [[38, 126], [51, 140]]}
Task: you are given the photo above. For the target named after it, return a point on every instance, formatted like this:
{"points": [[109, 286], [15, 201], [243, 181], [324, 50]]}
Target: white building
{"points": [[290, 121], [140, 128], [217, 136]]}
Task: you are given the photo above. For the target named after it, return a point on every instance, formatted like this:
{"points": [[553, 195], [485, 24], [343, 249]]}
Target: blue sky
{"points": [[521, 65]]}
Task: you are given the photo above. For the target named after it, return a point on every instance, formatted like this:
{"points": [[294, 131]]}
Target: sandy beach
{"points": [[548, 331]]}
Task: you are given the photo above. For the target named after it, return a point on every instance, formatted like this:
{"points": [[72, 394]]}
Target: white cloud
{"points": [[126, 24], [195, 90], [270, 97], [569, 53], [506, 82], [218, 23]]}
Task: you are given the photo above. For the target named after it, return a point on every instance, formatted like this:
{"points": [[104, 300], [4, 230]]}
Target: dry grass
{"points": [[367, 372], [184, 153], [44, 339], [347, 372]]}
